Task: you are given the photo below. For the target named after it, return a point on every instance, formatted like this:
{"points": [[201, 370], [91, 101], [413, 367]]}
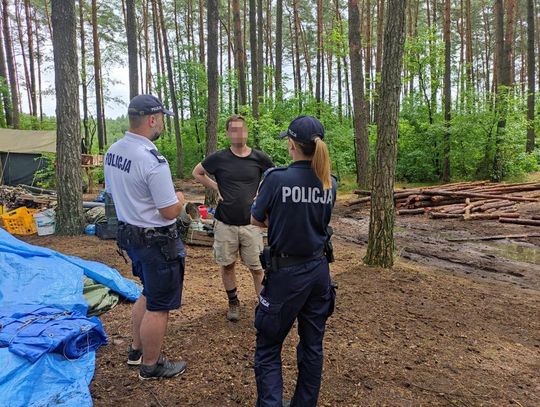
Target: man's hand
{"points": [[255, 222]]}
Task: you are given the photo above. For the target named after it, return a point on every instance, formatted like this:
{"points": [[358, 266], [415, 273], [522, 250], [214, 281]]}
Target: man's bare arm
{"points": [[172, 212], [200, 174], [257, 223]]}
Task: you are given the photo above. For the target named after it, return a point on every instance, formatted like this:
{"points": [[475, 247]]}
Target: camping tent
{"points": [[20, 154]]}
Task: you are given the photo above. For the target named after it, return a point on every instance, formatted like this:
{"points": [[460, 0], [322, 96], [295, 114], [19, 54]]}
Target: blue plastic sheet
{"points": [[32, 333], [31, 276], [51, 381]]}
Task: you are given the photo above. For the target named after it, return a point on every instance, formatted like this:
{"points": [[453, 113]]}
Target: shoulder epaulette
{"points": [[270, 170], [158, 155]]}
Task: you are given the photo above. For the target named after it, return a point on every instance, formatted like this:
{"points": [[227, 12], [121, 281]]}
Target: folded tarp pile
{"points": [[47, 344]]}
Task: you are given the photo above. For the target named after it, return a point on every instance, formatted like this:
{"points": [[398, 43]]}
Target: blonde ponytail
{"points": [[321, 163]]}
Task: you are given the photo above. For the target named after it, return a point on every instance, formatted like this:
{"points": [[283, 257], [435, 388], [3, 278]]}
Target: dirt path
{"points": [[420, 335]]}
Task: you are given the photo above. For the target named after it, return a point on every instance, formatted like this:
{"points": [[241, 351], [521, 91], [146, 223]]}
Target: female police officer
{"points": [[295, 202]]}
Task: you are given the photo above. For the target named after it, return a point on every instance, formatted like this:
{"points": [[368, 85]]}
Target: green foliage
{"points": [[46, 177]]}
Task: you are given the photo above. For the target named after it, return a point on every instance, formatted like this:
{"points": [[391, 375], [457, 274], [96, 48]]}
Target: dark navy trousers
{"points": [[299, 292]]}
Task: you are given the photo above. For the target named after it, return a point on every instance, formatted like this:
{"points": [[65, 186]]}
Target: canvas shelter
{"points": [[21, 154]]}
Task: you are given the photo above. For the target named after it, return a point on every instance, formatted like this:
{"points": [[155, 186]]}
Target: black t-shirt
{"points": [[238, 179]]}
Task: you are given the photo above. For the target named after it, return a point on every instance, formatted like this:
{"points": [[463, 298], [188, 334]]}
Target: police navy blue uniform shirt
{"points": [[238, 179], [297, 208], [139, 180]]}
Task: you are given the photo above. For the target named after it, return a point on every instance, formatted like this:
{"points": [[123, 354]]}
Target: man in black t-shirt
{"points": [[238, 171]]}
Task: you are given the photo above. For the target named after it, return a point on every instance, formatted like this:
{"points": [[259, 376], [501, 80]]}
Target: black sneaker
{"points": [[134, 356], [164, 368]]}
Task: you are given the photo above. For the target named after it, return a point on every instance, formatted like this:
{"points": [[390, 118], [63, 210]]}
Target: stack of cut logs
{"points": [[469, 201], [25, 195]]}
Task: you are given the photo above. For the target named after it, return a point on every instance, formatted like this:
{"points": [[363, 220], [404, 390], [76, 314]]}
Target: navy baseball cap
{"points": [[304, 129], [142, 105]]}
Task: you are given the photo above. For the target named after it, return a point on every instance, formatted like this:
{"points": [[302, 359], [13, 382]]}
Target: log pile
{"points": [[480, 200], [23, 195]]}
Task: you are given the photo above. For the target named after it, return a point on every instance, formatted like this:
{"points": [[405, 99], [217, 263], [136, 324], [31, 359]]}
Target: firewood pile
{"points": [[24, 195], [480, 200]]}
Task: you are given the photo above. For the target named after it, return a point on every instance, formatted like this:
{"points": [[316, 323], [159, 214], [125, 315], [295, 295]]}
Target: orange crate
{"points": [[19, 221]]}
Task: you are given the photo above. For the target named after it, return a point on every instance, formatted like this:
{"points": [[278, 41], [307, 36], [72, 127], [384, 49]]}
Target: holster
{"points": [[266, 259], [134, 237], [328, 247], [129, 236]]}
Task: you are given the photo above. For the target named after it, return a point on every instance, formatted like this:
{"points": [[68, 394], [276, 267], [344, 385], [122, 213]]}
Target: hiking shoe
{"points": [[134, 356], [164, 368], [233, 313]]}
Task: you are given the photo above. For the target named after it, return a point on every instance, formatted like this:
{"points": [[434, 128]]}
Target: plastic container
{"points": [[19, 221], [90, 229], [110, 210], [203, 211], [45, 222]]}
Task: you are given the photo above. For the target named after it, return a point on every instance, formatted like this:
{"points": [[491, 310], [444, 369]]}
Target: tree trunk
{"points": [[269, 86], [11, 67], [170, 76], [48, 17], [85, 142], [23, 54], [306, 52], [38, 55], [69, 213], [367, 65], [468, 49], [319, 54], [378, 55], [6, 100], [503, 82], [279, 49], [380, 250], [447, 95], [360, 119], [254, 59], [147, 52], [155, 30], [180, 89], [239, 54], [260, 54], [293, 56], [231, 90], [201, 34], [530, 77], [510, 6], [212, 73], [31, 57], [97, 80], [131, 33], [297, 53]]}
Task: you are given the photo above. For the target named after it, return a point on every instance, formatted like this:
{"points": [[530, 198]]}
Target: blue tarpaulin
{"points": [[33, 277], [32, 332]]}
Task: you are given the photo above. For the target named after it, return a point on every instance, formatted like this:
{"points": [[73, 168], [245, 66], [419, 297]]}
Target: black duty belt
{"points": [[170, 230], [286, 260]]}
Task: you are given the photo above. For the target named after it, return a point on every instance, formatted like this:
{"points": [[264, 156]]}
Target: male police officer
{"points": [[238, 171], [139, 180]]}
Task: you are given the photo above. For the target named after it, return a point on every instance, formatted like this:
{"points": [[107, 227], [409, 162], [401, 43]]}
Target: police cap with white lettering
{"points": [[304, 129], [142, 105]]}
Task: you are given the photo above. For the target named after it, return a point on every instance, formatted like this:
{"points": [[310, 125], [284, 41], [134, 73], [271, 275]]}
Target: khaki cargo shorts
{"points": [[230, 239]]}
